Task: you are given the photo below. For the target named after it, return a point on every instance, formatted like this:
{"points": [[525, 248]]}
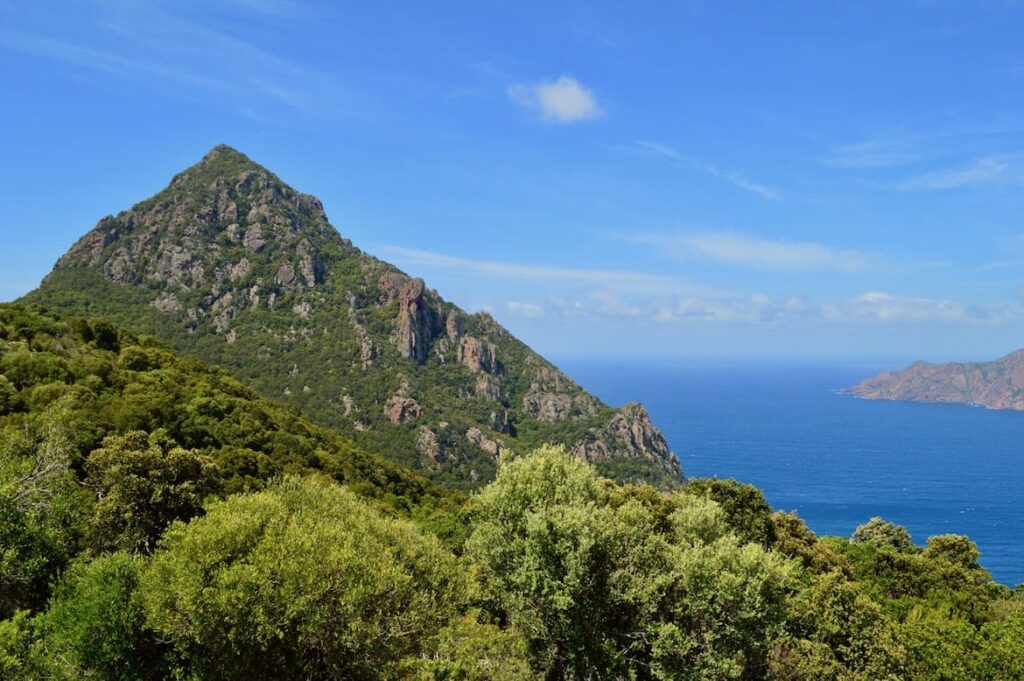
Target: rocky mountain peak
{"points": [[231, 264]]}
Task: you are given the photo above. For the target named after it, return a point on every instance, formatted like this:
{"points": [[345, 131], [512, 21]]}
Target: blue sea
{"points": [[835, 459]]}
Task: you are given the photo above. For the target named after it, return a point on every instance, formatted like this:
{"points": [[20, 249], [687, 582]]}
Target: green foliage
{"points": [[95, 628], [143, 483], [303, 579], [746, 509], [606, 590], [794, 539], [839, 632], [112, 442], [878, 532], [468, 650]]}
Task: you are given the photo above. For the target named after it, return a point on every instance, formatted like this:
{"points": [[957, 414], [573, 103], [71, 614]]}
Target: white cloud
{"points": [[563, 100], [523, 309], [762, 254], [881, 307], [732, 178], [981, 171], [612, 304]]}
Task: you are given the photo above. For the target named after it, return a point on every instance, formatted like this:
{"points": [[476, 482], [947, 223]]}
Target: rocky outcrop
{"points": [[416, 321], [476, 437], [429, 447], [488, 387], [998, 384], [628, 435], [402, 409], [554, 397], [478, 355]]}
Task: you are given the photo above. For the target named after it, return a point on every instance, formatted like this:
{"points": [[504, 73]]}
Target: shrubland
{"points": [[158, 519]]}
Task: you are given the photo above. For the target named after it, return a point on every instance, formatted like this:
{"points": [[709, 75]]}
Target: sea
{"points": [[837, 460]]}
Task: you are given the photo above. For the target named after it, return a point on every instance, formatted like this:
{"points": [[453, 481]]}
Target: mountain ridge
{"points": [[230, 264], [997, 384]]}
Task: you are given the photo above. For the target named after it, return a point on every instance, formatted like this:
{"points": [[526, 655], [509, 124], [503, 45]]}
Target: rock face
{"points": [[628, 435], [998, 384], [478, 356], [553, 397], [416, 321], [231, 265], [402, 409]]}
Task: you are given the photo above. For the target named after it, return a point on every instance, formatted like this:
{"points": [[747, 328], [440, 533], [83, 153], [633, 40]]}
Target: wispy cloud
{"points": [[987, 170], [159, 43], [876, 153], [625, 281], [563, 100], [757, 253], [870, 308], [518, 307], [732, 178]]}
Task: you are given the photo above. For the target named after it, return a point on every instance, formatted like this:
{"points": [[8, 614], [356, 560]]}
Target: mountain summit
{"points": [[231, 265]]}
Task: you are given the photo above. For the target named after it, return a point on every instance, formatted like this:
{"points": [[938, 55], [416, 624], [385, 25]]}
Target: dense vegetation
{"points": [[160, 520]]}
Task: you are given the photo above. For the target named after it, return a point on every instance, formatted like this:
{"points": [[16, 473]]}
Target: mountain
{"points": [[998, 384], [231, 265]]}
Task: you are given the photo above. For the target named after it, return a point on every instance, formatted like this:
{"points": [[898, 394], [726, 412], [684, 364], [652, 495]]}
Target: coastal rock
{"points": [[628, 435]]}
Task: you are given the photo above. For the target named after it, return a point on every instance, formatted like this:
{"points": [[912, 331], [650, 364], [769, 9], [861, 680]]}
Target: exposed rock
{"points": [[167, 303], [453, 326], [308, 263], [302, 309], [285, 275], [348, 403], [402, 409], [429, 447], [998, 384], [475, 436], [478, 356], [416, 322], [253, 239], [501, 421], [231, 337], [367, 350], [553, 397], [240, 269], [390, 283], [628, 435], [488, 386]]}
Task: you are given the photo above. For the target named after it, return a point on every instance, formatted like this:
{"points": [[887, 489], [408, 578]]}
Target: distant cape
{"points": [[998, 384]]}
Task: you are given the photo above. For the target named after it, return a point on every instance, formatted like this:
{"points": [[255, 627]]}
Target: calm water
{"points": [[836, 459]]}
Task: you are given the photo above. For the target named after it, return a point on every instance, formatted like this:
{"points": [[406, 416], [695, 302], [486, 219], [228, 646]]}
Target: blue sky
{"points": [[820, 179]]}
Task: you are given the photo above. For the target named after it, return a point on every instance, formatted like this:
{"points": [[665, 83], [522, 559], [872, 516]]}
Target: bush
{"points": [[303, 579]]}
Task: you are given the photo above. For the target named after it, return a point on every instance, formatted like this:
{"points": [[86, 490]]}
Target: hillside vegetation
{"points": [[160, 520]]}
